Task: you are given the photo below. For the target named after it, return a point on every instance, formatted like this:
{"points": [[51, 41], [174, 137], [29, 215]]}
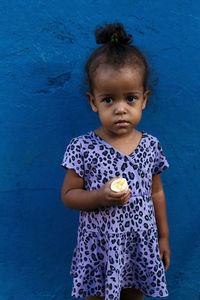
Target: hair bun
{"points": [[112, 34]]}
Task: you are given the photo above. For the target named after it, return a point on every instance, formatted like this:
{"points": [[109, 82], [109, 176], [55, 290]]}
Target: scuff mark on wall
{"points": [[54, 83]]}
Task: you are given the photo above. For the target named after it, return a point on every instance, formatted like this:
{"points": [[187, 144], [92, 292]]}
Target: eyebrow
{"points": [[128, 93], [106, 95], [135, 93]]}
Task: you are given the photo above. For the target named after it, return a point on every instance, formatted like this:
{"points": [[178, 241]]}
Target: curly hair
{"points": [[116, 51]]}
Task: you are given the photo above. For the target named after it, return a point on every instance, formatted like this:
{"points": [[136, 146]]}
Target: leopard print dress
{"points": [[117, 246]]}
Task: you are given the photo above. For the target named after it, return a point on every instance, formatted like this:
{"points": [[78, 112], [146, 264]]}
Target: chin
{"points": [[123, 130]]}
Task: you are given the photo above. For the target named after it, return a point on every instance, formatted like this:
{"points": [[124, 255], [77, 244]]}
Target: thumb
{"points": [[166, 261]]}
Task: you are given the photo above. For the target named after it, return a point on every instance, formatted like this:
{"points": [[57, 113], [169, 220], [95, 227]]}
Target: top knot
{"points": [[112, 34]]}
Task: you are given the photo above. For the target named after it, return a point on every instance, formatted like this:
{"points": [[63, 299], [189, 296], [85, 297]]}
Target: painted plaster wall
{"points": [[44, 45]]}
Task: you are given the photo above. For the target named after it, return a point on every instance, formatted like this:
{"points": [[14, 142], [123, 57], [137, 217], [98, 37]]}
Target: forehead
{"points": [[107, 77]]}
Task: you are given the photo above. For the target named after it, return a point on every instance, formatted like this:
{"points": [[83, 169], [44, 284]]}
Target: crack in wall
{"points": [[54, 83]]}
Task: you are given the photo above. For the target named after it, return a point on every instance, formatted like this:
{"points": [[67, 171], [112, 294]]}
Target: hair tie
{"points": [[114, 38]]}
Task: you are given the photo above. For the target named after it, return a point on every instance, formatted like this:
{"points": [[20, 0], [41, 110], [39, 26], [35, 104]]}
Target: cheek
{"points": [[105, 115], [137, 114]]}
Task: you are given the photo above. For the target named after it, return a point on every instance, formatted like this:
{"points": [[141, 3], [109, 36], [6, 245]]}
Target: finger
{"points": [[167, 261], [119, 198], [118, 201], [125, 199], [118, 195], [126, 194]]}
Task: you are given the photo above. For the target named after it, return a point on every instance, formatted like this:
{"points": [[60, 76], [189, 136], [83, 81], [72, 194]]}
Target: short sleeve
{"points": [[160, 161], [73, 158]]}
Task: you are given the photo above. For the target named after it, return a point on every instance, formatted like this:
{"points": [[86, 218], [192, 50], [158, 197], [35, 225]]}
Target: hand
{"points": [[107, 197], [164, 251]]}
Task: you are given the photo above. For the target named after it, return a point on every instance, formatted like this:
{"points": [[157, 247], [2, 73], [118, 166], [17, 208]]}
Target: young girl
{"points": [[122, 248]]}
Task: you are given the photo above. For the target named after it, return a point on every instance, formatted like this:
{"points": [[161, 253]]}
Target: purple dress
{"points": [[117, 246]]}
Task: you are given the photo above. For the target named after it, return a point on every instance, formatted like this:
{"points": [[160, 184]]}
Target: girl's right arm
{"points": [[75, 197]]}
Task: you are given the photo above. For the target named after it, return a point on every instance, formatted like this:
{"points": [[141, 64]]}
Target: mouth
{"points": [[122, 123]]}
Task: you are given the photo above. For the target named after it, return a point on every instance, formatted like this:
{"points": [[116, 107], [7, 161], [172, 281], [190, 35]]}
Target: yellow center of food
{"points": [[119, 185]]}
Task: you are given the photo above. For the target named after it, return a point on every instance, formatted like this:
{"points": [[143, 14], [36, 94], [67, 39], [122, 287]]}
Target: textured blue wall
{"points": [[44, 45]]}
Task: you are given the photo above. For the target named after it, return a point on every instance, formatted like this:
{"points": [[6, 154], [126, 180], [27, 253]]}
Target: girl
{"points": [[122, 247]]}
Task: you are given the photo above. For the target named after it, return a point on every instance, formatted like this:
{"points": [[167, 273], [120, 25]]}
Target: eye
{"points": [[108, 100], [131, 99]]}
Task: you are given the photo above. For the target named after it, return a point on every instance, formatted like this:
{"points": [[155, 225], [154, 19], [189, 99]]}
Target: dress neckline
{"points": [[110, 146]]}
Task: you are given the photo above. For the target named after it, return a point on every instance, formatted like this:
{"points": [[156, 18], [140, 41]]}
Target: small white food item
{"points": [[119, 185]]}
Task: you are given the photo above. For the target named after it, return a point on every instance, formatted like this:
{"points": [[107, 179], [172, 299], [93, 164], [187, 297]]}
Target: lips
{"points": [[122, 123]]}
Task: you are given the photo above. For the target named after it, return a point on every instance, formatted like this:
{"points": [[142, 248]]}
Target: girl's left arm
{"points": [[158, 197]]}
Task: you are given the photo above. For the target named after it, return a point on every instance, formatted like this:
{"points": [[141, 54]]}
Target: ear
{"points": [[92, 101], [146, 96]]}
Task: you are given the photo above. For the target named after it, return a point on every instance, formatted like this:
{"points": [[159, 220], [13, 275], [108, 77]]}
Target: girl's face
{"points": [[118, 97]]}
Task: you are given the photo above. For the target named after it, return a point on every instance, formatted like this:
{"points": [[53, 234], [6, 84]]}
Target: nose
{"points": [[120, 107]]}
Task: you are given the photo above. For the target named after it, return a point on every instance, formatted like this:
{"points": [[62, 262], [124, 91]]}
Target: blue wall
{"points": [[44, 45]]}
